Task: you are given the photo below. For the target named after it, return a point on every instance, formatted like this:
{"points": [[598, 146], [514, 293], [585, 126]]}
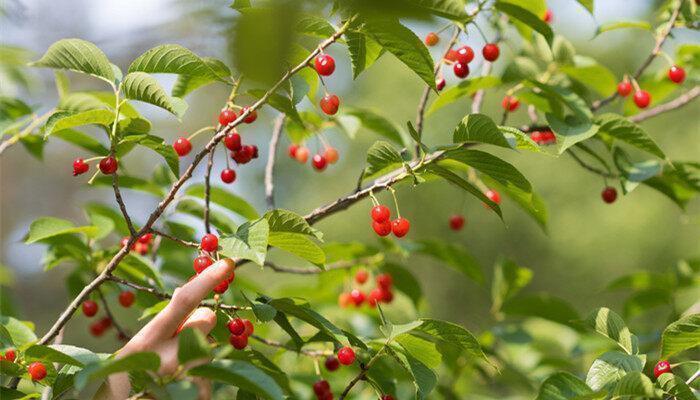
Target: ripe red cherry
{"points": [[456, 222], [80, 166], [126, 298], [141, 248], [331, 155], [228, 175], [292, 150], [97, 329], [384, 281], [661, 367], [145, 238], [332, 363], [109, 165], [346, 356], [357, 297], [361, 276], [210, 242], [319, 162], [249, 328], [321, 387], [324, 64], [201, 263], [676, 74], [382, 228], [548, 137], [465, 55], [90, 308], [624, 88], [536, 136], [460, 70], [491, 52], [374, 297], [37, 371], [431, 39], [548, 15], [493, 196], [387, 397], [440, 84], [232, 141], [221, 287], [251, 117], [380, 213], [642, 98], [239, 342], [609, 194], [227, 116], [236, 326], [329, 104], [451, 55], [10, 355], [106, 322], [510, 103], [182, 146], [400, 227], [344, 300], [244, 154], [302, 154]]}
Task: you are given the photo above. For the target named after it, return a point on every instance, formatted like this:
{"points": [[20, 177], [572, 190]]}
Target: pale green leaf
{"points": [[143, 87], [77, 55], [465, 88], [48, 227], [65, 120], [681, 335], [240, 374], [481, 129], [609, 324]]}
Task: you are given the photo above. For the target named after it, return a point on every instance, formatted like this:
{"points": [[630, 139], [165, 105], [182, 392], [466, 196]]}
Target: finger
{"points": [[202, 319], [187, 298]]}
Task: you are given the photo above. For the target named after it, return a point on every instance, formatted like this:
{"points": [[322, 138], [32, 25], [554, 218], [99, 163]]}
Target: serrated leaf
{"points": [[464, 88], [635, 384], [77, 55], [364, 51], [488, 164], [453, 334], [610, 367], [48, 227], [452, 9], [454, 256], [249, 242], [681, 335], [192, 345], [287, 221], [143, 87], [131, 363], [424, 378], [627, 131], [458, 181], [609, 324], [675, 387], [563, 386], [242, 375], [173, 59], [314, 25], [421, 349], [299, 245], [225, 199], [65, 120], [186, 84], [308, 315], [376, 123], [528, 18], [381, 158], [623, 24], [481, 129], [401, 329]]}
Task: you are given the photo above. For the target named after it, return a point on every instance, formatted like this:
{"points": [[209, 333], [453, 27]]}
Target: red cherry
{"points": [[346, 356], [232, 141], [440, 84], [357, 297], [331, 155], [37, 371], [231, 277], [106, 322], [251, 117], [451, 55], [201, 263], [609, 194], [236, 326], [221, 287], [332, 363], [536, 136], [146, 238], [374, 297], [548, 15], [80, 166], [302, 154], [126, 298], [431, 39], [642, 98], [249, 328], [292, 150], [319, 162], [97, 329], [493, 196], [465, 55], [387, 296], [491, 52], [109, 165], [210, 242], [387, 397], [676, 74], [244, 154], [400, 227], [661, 367], [227, 116], [344, 300], [382, 228], [460, 70], [624, 88], [182, 146], [10, 355], [456, 222], [380, 213], [239, 342], [324, 64], [361, 276], [329, 104], [510, 103], [141, 248], [321, 387], [228, 175], [90, 308], [548, 137], [384, 281]]}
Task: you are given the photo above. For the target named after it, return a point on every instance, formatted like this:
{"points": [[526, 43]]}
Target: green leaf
{"points": [[186, 84], [458, 181], [421, 349], [20, 332], [506, 174], [50, 354], [635, 384], [48, 227], [454, 256], [609, 324], [571, 130], [81, 140], [681, 335], [404, 44], [131, 182], [64, 120], [249, 242], [263, 312], [465, 88], [220, 220], [610, 367], [393, 331], [143, 87], [405, 282], [173, 59], [192, 345], [166, 151], [675, 386], [481, 129], [242, 375], [592, 74], [307, 314], [287, 221], [610, 26], [298, 245], [13, 394], [627, 131], [376, 123], [77, 55], [453, 334], [314, 25], [542, 305], [225, 199], [508, 279], [364, 51], [563, 386], [142, 268], [587, 4], [381, 158], [452, 9], [528, 18], [131, 363], [424, 378]]}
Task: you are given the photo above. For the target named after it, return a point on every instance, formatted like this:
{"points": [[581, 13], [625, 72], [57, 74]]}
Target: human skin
{"points": [[160, 334]]}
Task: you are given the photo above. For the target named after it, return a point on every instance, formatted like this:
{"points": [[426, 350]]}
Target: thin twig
{"points": [[362, 374], [118, 327], [695, 376], [343, 264], [207, 190], [122, 205], [270, 167], [175, 239], [679, 102], [36, 121], [593, 169], [310, 353]]}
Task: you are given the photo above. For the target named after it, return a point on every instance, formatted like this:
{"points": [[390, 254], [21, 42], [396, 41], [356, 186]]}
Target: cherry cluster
{"points": [[108, 165], [642, 98], [380, 294], [142, 244], [345, 356], [90, 309], [319, 161], [36, 370], [240, 330], [209, 245], [461, 57], [543, 138], [383, 225]]}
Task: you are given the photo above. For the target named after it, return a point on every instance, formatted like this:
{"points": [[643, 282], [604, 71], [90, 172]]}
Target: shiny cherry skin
{"points": [[232, 141], [642, 99], [380, 213], [109, 165], [324, 64], [228, 175], [382, 228], [227, 116], [319, 162], [90, 308], [80, 166], [400, 227], [182, 146], [491, 52], [210, 242], [676, 74], [624, 88], [329, 104], [346, 355], [461, 70]]}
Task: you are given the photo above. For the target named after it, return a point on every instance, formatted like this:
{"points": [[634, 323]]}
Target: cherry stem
{"points": [[396, 202], [228, 163], [439, 31], [668, 58], [94, 176], [316, 367], [206, 128], [635, 85], [483, 36], [91, 159], [374, 199]]}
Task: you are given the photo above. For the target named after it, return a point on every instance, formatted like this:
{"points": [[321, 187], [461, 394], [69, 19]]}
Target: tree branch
{"points": [[595, 170], [207, 190], [122, 206], [175, 239], [343, 264], [269, 168], [679, 102], [36, 121]]}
